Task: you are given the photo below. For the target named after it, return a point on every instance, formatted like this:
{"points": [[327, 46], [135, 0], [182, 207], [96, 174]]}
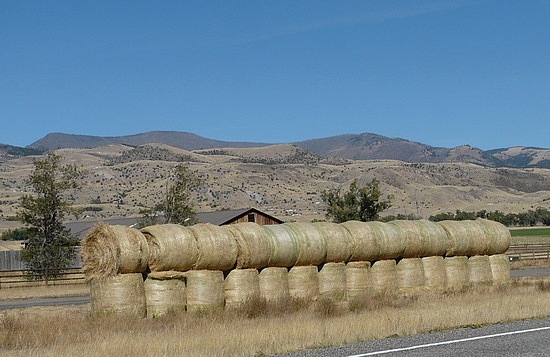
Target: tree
{"points": [[50, 247], [359, 203], [178, 204]]}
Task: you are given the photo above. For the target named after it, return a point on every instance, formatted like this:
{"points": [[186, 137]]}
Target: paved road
{"points": [[521, 338], [22, 303], [530, 272]]}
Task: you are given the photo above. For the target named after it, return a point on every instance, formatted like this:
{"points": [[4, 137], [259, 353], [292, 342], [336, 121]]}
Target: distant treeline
{"points": [[523, 219]]}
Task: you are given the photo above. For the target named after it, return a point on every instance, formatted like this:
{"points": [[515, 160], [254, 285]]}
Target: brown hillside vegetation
{"points": [[284, 180]]}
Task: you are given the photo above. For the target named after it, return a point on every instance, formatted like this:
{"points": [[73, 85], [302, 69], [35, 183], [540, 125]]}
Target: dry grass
{"points": [[264, 329], [44, 291]]}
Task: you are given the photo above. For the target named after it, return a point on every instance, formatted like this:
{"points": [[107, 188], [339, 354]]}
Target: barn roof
{"points": [[225, 216]]}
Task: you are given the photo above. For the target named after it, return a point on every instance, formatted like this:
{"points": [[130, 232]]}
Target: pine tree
{"points": [[50, 247]]}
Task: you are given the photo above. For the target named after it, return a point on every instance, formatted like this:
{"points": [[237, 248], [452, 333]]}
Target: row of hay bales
{"points": [[354, 282], [111, 250], [170, 267]]}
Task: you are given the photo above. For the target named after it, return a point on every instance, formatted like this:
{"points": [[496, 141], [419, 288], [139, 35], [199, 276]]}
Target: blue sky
{"points": [[444, 73]]}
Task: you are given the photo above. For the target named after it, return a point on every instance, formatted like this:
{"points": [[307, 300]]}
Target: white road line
{"points": [[450, 342]]}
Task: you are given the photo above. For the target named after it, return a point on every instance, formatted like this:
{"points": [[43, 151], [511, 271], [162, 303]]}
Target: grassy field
{"points": [[530, 235], [66, 331]]}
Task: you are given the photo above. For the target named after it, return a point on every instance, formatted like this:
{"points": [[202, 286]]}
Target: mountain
{"points": [[181, 140], [9, 151], [365, 146]]}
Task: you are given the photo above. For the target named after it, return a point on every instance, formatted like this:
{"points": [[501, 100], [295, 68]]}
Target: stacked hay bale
{"points": [[273, 283], [383, 277], [332, 281], [184, 267], [358, 285], [456, 271], [164, 296], [435, 275], [409, 274], [242, 286], [113, 260]]}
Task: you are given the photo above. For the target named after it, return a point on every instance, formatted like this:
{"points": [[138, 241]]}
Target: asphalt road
{"points": [[55, 301], [530, 272], [521, 338]]}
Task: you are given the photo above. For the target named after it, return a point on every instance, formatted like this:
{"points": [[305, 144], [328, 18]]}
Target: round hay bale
{"points": [[435, 275], [166, 275], [498, 236], [456, 271], [110, 250], [390, 240], [332, 281], [273, 283], [241, 286], [312, 247], [122, 294], [164, 296], [253, 245], [500, 269], [205, 290], [465, 238], [422, 238], [383, 276], [365, 242], [357, 281], [338, 239], [303, 282], [217, 247], [284, 246], [172, 247], [410, 275], [479, 270]]}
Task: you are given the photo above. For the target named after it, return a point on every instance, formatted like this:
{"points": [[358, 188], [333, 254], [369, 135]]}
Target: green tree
{"points": [[178, 204], [50, 247], [359, 203]]}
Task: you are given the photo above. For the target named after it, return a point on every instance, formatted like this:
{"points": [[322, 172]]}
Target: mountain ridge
{"points": [[364, 146]]}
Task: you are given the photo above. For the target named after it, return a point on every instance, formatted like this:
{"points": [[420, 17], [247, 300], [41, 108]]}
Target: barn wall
{"points": [[258, 219]]}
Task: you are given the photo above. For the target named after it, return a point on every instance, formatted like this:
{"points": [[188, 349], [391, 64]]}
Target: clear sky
{"points": [[444, 73]]}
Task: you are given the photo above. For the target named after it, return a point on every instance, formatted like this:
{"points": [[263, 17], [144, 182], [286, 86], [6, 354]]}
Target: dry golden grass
{"points": [[530, 264], [263, 330], [44, 291]]}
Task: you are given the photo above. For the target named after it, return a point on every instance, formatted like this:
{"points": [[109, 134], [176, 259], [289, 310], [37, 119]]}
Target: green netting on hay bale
{"points": [[284, 246], [164, 297], [122, 294], [273, 283], [479, 270], [205, 290], [422, 238], [390, 240], [365, 242], [332, 281], [383, 276], [358, 286], [498, 236], [410, 275], [303, 282], [111, 250], [456, 271], [435, 275], [253, 245], [312, 247], [500, 269], [172, 247], [242, 286], [465, 238], [217, 247], [338, 239]]}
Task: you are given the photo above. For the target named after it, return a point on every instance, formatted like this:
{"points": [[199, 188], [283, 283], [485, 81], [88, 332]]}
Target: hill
{"points": [[365, 146], [284, 180]]}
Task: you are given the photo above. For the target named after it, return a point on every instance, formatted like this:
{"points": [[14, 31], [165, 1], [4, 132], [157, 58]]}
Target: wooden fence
{"points": [[529, 251], [20, 278]]}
